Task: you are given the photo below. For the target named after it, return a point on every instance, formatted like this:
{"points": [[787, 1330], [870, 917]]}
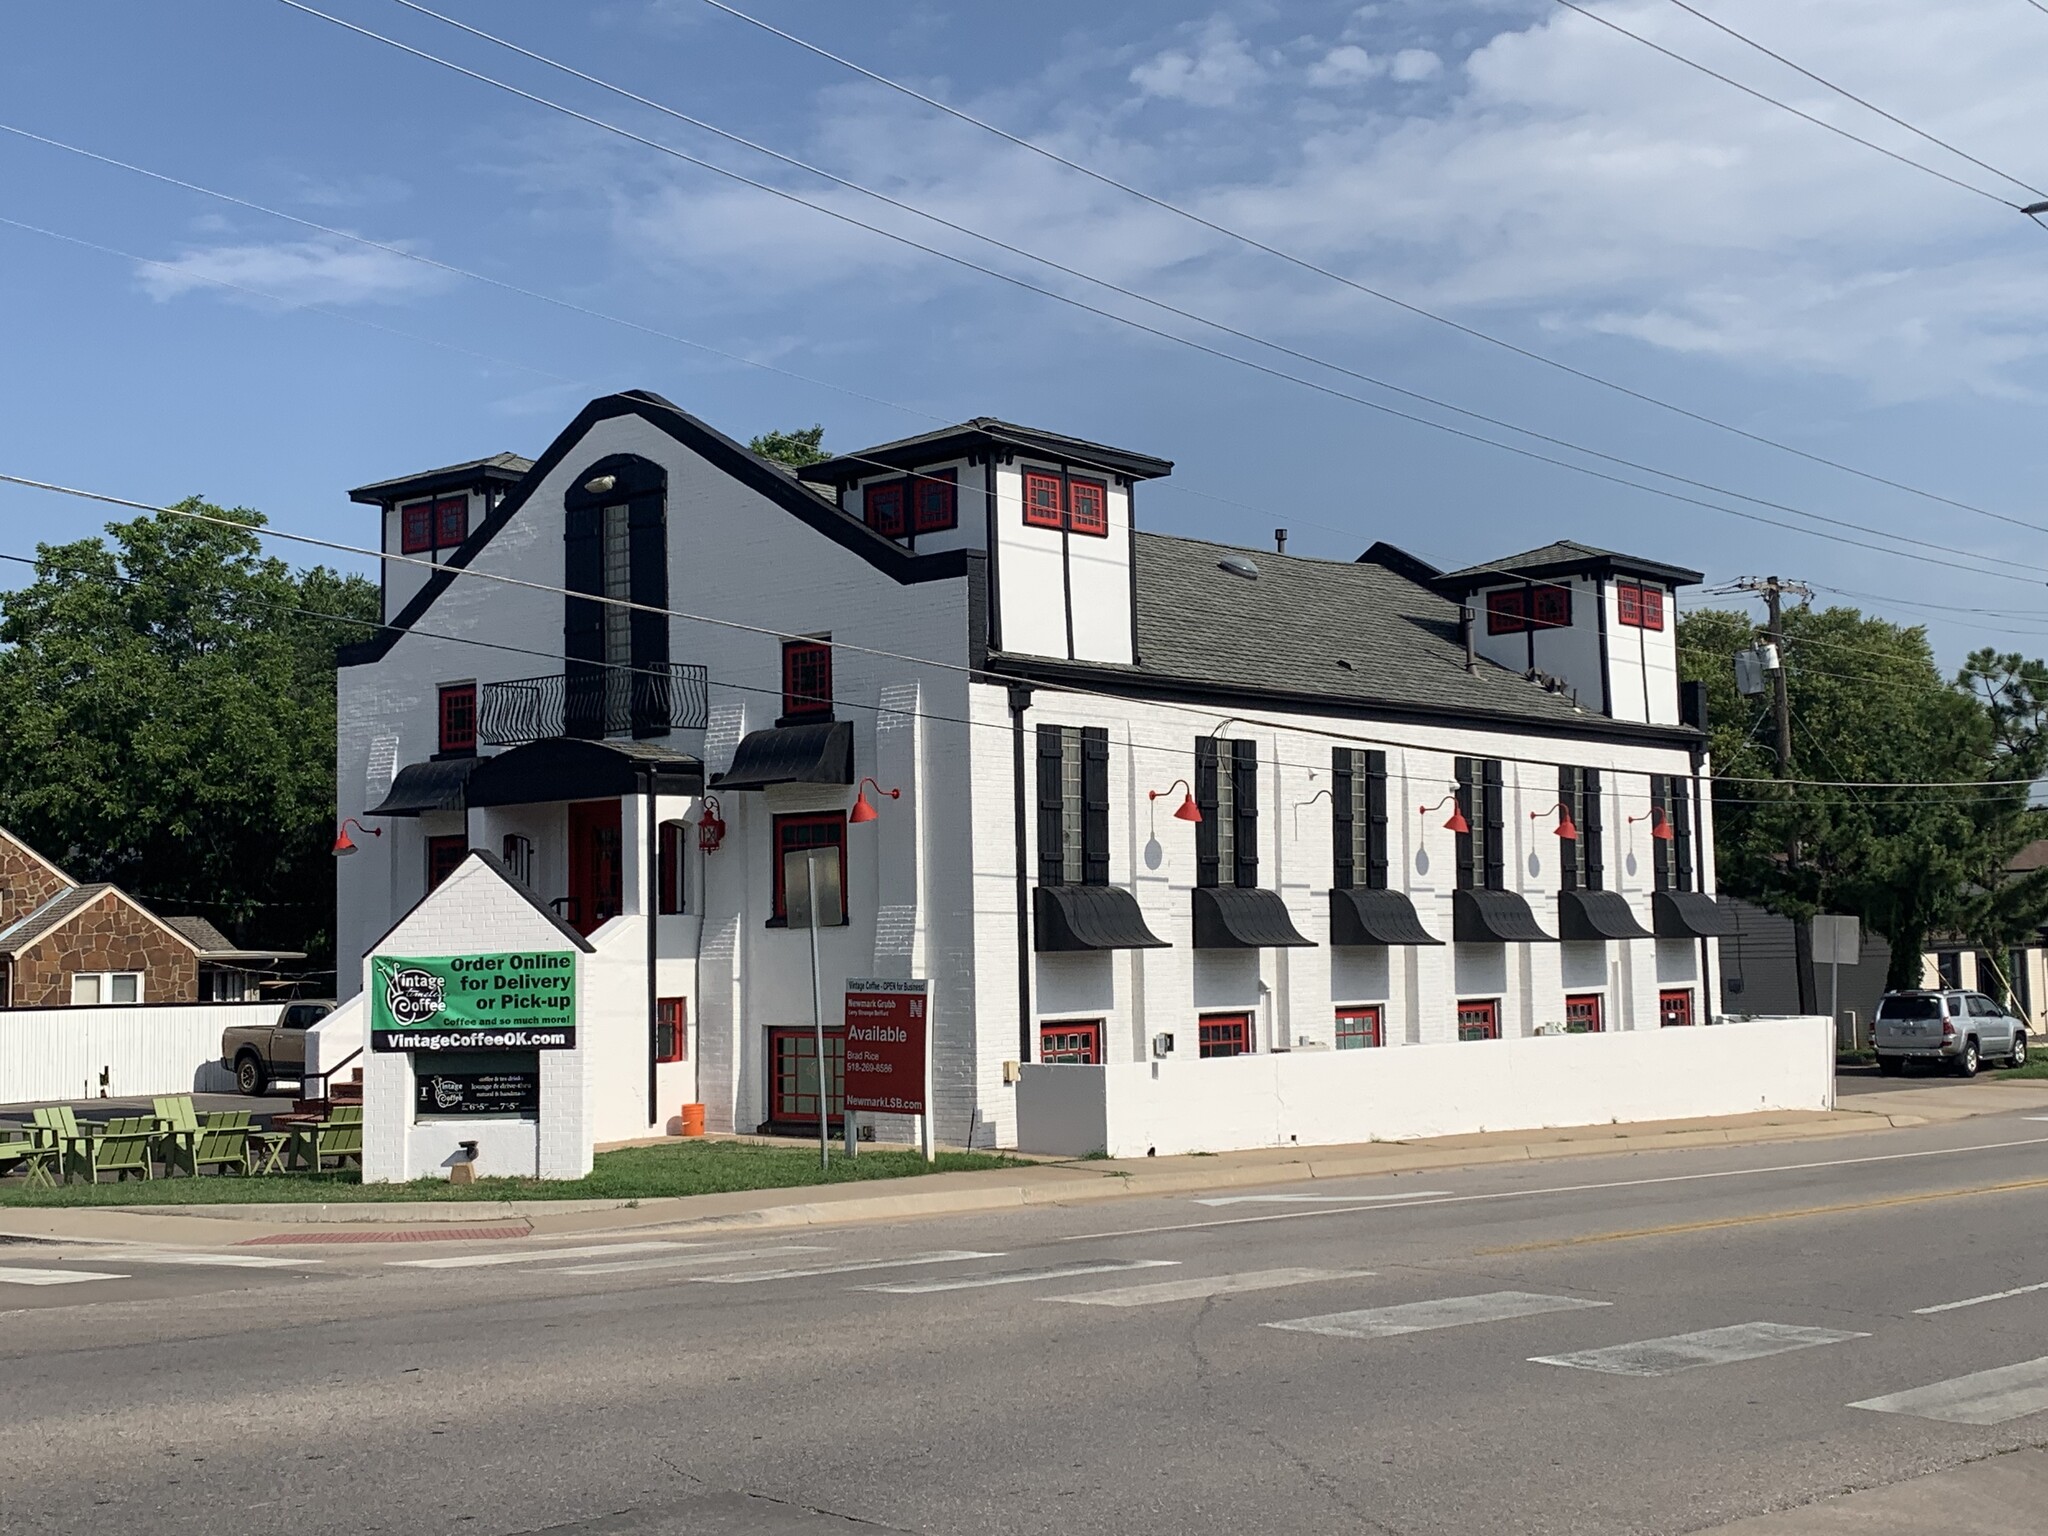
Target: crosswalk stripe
{"points": [[53, 1276], [210, 1260], [1197, 1288], [535, 1255], [1369, 1199], [755, 1276], [1710, 1346], [1984, 1397], [1017, 1277], [685, 1260], [1422, 1316], [1978, 1301]]}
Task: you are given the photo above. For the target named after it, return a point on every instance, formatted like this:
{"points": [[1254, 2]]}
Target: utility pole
{"points": [[1774, 590]]}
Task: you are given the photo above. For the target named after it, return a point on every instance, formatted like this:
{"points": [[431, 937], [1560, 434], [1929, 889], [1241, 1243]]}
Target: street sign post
{"points": [[888, 1050], [1839, 941]]}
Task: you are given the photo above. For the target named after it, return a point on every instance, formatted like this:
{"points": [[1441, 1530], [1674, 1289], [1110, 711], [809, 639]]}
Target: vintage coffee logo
{"points": [[413, 996]]}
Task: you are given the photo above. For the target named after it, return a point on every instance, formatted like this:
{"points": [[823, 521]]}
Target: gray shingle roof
{"points": [[27, 929], [201, 935]]}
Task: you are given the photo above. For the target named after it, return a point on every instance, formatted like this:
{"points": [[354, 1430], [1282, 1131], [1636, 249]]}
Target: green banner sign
{"points": [[512, 1002]]}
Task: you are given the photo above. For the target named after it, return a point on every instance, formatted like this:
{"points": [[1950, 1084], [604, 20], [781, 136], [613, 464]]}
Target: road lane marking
{"points": [[1374, 1203], [1978, 1301], [1412, 1194], [755, 1276], [1016, 1277], [53, 1276], [1984, 1397], [535, 1256], [686, 1260], [1198, 1288], [1425, 1316], [226, 1260], [1710, 1346]]}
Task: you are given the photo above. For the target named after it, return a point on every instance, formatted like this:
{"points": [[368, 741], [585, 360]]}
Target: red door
{"points": [[596, 869], [793, 1077]]}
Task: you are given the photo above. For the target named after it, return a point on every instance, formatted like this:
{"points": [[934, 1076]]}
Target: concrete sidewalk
{"points": [[1056, 1183]]}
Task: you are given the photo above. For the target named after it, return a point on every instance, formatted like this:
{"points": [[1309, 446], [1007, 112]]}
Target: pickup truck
{"points": [[259, 1053]]}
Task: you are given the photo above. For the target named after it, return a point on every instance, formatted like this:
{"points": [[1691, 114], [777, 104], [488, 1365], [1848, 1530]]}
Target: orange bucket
{"points": [[693, 1119]]}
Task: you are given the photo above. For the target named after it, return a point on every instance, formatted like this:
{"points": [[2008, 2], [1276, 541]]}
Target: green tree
{"points": [[1871, 709], [167, 700], [804, 446]]}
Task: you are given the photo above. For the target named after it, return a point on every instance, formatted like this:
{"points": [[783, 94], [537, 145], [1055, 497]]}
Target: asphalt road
{"points": [[1664, 1342]]}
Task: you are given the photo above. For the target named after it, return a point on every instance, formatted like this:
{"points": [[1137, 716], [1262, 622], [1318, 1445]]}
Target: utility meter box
{"points": [[1162, 1045]]}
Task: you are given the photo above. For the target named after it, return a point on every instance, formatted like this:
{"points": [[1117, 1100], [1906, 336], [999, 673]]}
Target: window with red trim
{"points": [[672, 1029], [1225, 1034], [458, 718], [1652, 607], [795, 834], [675, 837], [806, 679], [1628, 603], [1088, 507], [1359, 1028], [1071, 1042], [883, 505], [451, 521], [1505, 613], [1550, 608], [1582, 1014], [935, 503], [444, 854], [416, 528], [1479, 1020], [1044, 506], [1674, 1007]]}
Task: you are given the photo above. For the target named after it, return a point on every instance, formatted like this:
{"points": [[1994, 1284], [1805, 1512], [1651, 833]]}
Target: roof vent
{"points": [[1238, 565]]}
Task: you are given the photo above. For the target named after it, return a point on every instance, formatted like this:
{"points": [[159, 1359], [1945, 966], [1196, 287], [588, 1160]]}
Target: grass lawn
{"points": [[632, 1173], [2037, 1066]]}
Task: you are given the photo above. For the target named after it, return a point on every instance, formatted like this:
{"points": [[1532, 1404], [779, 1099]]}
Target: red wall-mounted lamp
{"points": [[1187, 810], [1566, 827], [344, 845], [1660, 824], [1457, 823], [863, 807]]}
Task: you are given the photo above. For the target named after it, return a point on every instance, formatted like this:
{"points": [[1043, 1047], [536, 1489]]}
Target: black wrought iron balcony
{"points": [[594, 702]]}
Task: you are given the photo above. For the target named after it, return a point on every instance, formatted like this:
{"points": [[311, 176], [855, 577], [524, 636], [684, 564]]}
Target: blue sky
{"points": [[1506, 163]]}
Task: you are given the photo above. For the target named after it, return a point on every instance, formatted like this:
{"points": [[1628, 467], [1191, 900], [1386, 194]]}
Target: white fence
{"points": [[60, 1053], [1330, 1098]]}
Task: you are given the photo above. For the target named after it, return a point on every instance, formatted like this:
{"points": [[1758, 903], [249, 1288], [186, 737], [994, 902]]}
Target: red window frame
{"points": [[1045, 502], [1361, 1028], [1550, 608], [1223, 1034], [882, 507], [1088, 507], [1674, 1008], [1651, 600], [1479, 1019], [831, 822], [1628, 604], [445, 856], [458, 717], [674, 839], [935, 501], [1075, 1042], [672, 1029], [1505, 614], [1583, 1013], [806, 679], [416, 528], [451, 521]]}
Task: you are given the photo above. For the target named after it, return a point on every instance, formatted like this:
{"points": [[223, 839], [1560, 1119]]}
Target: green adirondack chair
{"points": [[122, 1148], [192, 1141], [339, 1136]]}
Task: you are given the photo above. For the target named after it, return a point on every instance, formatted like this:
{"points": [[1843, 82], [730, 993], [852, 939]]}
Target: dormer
{"points": [[428, 516], [1054, 515], [1603, 623]]}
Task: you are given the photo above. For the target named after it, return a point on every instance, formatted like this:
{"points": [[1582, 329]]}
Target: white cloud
{"points": [[292, 272], [1219, 67], [1347, 64], [1412, 64]]}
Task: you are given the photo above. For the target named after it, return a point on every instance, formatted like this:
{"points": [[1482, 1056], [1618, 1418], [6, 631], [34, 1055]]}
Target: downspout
{"points": [[653, 888], [1708, 982], [1020, 700]]}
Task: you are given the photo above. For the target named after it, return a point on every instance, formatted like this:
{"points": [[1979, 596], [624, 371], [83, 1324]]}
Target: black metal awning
{"points": [[423, 787], [1085, 917], [1689, 915], [1597, 915], [571, 768], [792, 754], [1376, 917], [1244, 917], [1495, 917]]}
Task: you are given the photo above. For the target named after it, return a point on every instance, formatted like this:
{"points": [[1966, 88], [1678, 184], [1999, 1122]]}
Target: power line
{"points": [[1868, 106], [1215, 352], [1303, 263]]}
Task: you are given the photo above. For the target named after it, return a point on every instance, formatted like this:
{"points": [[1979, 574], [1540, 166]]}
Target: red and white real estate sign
{"points": [[888, 1031]]}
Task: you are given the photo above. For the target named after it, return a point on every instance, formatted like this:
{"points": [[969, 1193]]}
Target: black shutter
{"points": [[1681, 831], [1468, 804], [1343, 874], [1095, 804], [1496, 840], [1592, 834], [1206, 855], [583, 621], [1660, 857], [647, 530], [1052, 868], [1376, 820], [1244, 791], [1569, 783]]}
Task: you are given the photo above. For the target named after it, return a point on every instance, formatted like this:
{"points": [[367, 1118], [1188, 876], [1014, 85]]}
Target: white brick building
{"points": [[971, 619]]}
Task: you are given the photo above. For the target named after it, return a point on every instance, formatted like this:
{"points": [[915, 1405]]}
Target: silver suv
{"points": [[1953, 1029]]}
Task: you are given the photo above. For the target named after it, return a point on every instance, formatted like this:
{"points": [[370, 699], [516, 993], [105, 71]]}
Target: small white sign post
{"points": [[1839, 941]]}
